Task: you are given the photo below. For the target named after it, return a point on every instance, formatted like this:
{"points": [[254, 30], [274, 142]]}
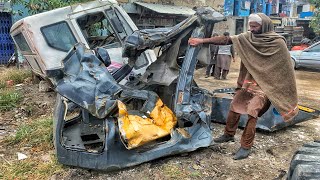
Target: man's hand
{"points": [[195, 41]]}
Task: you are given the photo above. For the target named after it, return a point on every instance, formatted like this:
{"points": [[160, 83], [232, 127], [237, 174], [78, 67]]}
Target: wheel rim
{"points": [[293, 63]]}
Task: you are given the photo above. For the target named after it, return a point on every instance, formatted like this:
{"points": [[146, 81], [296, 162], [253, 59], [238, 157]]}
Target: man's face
{"points": [[255, 27]]}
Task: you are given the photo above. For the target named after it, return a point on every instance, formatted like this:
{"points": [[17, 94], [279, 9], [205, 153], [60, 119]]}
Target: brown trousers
{"points": [[249, 130]]}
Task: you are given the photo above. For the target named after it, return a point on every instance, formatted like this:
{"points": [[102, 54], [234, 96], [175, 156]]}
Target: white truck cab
{"points": [[44, 39]]}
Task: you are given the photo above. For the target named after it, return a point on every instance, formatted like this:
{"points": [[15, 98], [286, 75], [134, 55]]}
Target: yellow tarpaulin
{"points": [[136, 130]]}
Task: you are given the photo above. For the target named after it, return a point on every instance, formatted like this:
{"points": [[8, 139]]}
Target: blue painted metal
{"points": [[259, 6], [240, 9], [228, 7], [6, 43], [268, 9], [306, 14]]}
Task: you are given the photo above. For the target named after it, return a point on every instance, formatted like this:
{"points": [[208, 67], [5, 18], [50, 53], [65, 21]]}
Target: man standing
{"points": [[225, 54], [213, 59], [266, 75]]}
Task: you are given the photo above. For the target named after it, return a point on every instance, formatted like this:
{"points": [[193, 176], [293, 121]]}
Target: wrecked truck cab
{"points": [[100, 120], [100, 124], [44, 39]]}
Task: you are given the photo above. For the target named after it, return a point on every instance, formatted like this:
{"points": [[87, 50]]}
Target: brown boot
{"points": [[223, 138]]}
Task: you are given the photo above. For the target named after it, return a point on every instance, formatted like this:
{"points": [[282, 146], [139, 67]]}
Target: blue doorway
{"points": [[6, 43]]}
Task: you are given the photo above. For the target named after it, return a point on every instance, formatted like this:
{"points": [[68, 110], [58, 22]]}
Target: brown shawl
{"points": [[266, 57]]}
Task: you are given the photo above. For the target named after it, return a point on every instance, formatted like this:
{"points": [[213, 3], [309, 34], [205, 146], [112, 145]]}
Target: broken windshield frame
{"points": [[98, 30], [116, 15]]}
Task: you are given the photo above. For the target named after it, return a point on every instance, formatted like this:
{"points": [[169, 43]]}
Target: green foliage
{"points": [[316, 3], [38, 6], [315, 21], [9, 98], [40, 163], [2, 84], [37, 133]]}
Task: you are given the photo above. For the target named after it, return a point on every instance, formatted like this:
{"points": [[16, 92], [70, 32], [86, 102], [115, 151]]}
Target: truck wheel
{"points": [[294, 63], [58, 115], [305, 163]]}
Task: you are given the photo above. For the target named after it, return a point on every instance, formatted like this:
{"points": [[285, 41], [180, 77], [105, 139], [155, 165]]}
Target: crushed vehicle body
{"points": [[118, 103], [100, 124]]}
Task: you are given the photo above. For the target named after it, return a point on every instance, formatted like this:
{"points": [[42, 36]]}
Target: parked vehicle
{"points": [[307, 58]]}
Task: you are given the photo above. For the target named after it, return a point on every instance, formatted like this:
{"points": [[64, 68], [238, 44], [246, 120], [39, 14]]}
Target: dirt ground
{"points": [[270, 157]]}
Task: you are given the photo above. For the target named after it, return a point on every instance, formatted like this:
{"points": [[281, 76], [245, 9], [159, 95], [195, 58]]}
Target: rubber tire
{"points": [[305, 163], [57, 114], [294, 63]]}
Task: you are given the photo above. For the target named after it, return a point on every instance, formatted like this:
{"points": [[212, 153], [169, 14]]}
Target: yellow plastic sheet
{"points": [[136, 130]]}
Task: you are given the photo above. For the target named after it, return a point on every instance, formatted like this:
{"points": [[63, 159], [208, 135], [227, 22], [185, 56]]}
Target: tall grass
{"points": [[36, 134], [16, 75], [9, 98], [31, 168]]}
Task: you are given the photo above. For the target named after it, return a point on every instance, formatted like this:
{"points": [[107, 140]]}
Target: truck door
{"points": [[23, 42]]}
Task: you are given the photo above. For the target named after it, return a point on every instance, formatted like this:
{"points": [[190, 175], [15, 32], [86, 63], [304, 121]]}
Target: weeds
{"points": [[2, 84], [173, 172], [9, 98], [16, 75], [34, 168], [37, 133]]}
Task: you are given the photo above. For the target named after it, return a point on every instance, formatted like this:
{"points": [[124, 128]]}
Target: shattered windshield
{"points": [[98, 31]]}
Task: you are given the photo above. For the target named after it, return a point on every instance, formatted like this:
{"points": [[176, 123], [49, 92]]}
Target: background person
{"points": [[213, 51], [224, 56]]}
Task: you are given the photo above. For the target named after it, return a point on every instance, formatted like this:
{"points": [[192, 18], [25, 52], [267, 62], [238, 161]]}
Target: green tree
{"points": [[315, 21], [38, 6]]}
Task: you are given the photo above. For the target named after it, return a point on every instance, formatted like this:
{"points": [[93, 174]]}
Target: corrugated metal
{"points": [[167, 9], [6, 44]]}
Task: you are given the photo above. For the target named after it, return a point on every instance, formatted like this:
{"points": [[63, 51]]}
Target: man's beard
{"points": [[257, 32]]}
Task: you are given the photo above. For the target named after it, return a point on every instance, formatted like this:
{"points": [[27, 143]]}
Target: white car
{"points": [[307, 58]]}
